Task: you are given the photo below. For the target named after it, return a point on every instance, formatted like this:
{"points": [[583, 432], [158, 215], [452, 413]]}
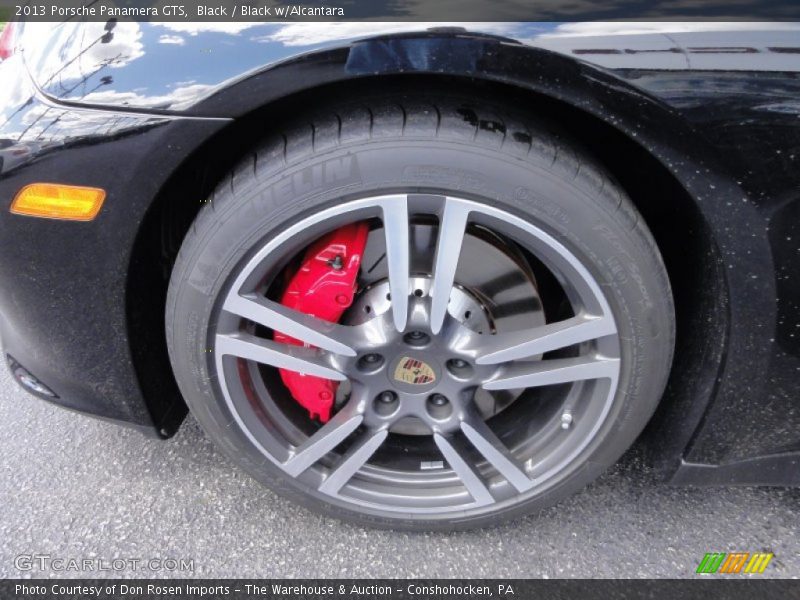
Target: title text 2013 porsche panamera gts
{"points": [[410, 275]]}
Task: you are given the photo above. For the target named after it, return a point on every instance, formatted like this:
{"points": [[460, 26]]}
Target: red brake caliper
{"points": [[323, 286]]}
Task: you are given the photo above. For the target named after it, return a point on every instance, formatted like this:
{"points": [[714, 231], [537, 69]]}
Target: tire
{"points": [[449, 146]]}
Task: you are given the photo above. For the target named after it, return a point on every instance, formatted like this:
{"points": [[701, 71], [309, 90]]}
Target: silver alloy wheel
{"points": [[502, 472]]}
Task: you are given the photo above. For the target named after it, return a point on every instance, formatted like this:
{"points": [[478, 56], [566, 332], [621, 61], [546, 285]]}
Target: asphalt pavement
{"points": [[73, 488]]}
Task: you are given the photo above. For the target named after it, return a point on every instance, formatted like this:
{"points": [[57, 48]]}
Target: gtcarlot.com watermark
{"points": [[63, 564]]}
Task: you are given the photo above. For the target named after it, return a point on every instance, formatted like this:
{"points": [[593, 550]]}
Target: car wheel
{"points": [[507, 332]]}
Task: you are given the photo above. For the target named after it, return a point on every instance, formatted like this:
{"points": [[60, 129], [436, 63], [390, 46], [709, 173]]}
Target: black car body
{"points": [[700, 123]]}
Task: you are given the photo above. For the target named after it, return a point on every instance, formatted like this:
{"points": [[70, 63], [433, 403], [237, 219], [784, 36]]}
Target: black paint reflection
{"points": [[173, 66], [32, 127]]}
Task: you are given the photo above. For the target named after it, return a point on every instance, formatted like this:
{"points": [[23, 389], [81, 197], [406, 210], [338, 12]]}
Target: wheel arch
{"points": [[619, 125]]}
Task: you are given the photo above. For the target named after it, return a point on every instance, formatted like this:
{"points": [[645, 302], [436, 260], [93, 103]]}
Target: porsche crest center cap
{"points": [[414, 371]]}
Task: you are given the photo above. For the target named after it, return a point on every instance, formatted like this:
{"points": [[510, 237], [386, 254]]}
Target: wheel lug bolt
{"points": [[386, 404], [438, 400], [370, 362], [459, 368], [387, 397], [416, 338], [438, 406]]}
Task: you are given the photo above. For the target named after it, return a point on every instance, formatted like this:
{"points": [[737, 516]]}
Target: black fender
{"points": [[722, 359]]}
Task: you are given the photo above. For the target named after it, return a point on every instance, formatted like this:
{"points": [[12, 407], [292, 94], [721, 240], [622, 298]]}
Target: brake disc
{"points": [[495, 292]]}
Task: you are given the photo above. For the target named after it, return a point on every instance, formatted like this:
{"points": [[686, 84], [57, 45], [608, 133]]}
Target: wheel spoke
{"points": [[448, 249], [550, 372], [494, 451], [283, 356], [352, 461], [466, 472], [505, 347], [306, 328], [395, 227], [330, 435]]}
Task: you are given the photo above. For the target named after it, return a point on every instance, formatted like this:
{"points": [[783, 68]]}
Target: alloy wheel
{"points": [[422, 444]]}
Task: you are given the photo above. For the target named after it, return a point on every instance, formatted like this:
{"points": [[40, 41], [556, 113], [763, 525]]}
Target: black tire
{"points": [[477, 149]]}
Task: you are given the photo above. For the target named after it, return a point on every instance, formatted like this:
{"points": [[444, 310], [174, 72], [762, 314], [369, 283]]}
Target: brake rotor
{"points": [[495, 292]]}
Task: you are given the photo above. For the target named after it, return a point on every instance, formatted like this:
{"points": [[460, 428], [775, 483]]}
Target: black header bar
{"points": [[400, 10]]}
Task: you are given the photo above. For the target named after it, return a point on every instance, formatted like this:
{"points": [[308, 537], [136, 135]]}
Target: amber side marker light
{"points": [[55, 201]]}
